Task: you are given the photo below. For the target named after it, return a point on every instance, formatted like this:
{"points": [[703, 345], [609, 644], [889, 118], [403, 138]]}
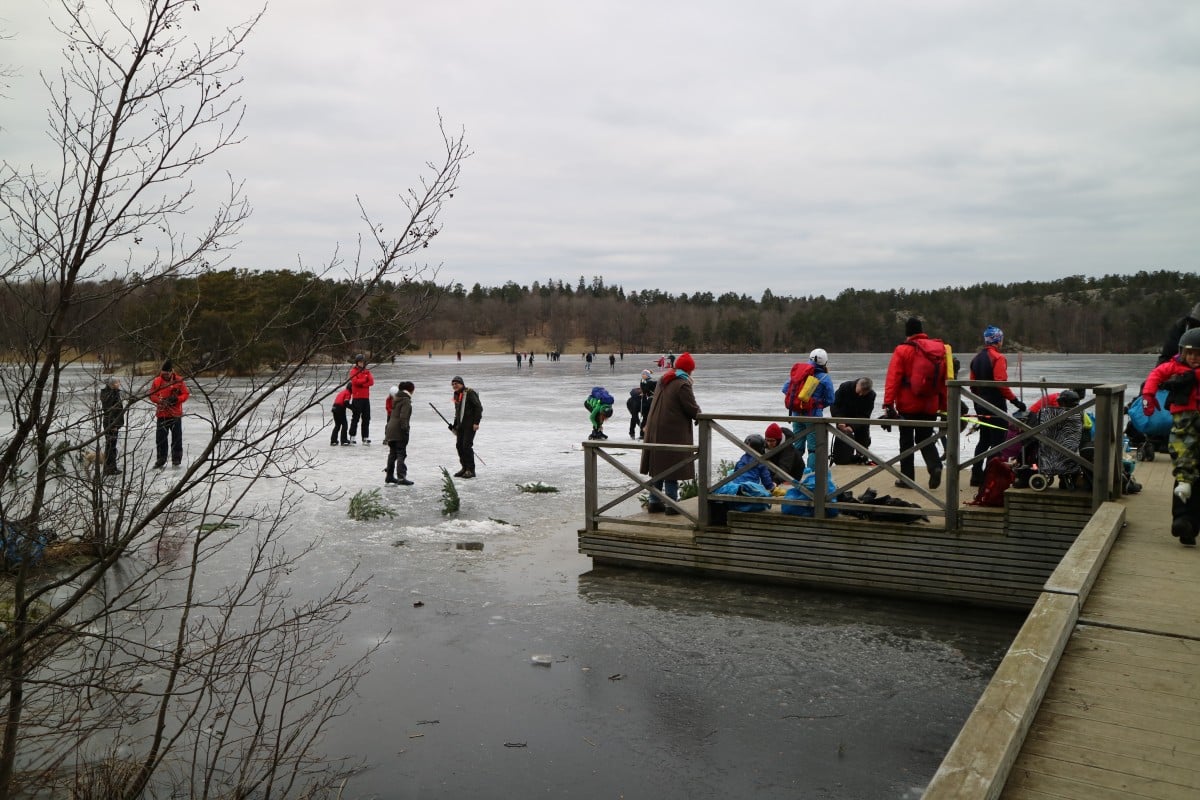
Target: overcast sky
{"points": [[806, 146]]}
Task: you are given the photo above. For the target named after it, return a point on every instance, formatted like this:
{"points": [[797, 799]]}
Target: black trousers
{"points": [[909, 437], [466, 447], [361, 408], [172, 427], [397, 454], [339, 435]]}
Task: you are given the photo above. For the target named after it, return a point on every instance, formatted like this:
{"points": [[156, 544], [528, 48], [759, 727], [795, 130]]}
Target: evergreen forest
{"points": [[230, 321]]}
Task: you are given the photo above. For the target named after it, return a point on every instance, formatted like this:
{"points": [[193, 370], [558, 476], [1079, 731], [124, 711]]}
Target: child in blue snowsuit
{"points": [[759, 473]]}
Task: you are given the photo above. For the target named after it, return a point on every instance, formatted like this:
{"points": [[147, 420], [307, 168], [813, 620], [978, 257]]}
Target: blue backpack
{"points": [[601, 394]]}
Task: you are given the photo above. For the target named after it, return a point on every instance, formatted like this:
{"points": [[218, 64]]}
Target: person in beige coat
{"points": [[672, 415]]}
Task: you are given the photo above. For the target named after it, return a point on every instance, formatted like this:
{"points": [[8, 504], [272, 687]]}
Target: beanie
{"points": [[913, 326], [647, 374], [992, 335], [685, 362], [773, 431], [458, 379], [167, 366]]}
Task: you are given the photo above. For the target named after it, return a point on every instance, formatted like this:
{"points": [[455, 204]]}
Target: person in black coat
{"points": [[112, 411], [853, 399], [1182, 325], [788, 458], [634, 406], [648, 385]]}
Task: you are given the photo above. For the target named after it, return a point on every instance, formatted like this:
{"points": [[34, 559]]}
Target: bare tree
{"points": [[129, 670]]}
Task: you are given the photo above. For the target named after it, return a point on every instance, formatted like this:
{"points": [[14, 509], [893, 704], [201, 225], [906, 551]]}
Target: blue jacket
{"points": [[821, 398], [758, 472]]}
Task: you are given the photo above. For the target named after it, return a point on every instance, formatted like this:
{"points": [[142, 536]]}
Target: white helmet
{"points": [[395, 390], [819, 357]]}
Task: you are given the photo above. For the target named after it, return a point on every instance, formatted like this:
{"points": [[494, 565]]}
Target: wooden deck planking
{"points": [[1121, 716]]}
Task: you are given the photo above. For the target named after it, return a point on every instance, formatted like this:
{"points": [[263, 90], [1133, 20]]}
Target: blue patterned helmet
{"points": [[992, 335]]}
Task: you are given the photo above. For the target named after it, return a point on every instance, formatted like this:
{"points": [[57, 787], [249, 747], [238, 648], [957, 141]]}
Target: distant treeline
{"points": [[232, 320], [1112, 314]]}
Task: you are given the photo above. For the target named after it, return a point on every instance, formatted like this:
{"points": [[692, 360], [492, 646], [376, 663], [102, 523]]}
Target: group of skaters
{"points": [[352, 408], [167, 394]]}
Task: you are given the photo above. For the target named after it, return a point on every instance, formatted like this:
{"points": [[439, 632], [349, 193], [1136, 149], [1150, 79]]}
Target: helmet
{"points": [[395, 390], [819, 357], [756, 442], [992, 335], [1190, 340], [359, 357], [1068, 398]]}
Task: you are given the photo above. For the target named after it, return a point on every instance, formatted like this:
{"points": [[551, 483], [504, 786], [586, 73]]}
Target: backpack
{"points": [[802, 382], [928, 376], [601, 394], [997, 477]]}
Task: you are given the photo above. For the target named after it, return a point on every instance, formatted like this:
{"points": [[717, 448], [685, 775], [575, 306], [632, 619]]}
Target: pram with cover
{"points": [[1065, 429]]}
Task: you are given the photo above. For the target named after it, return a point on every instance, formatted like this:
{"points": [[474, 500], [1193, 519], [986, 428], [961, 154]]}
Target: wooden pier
{"points": [[1099, 695], [941, 549]]}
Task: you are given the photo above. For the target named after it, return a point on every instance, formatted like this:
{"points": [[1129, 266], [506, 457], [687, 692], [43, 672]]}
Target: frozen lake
{"points": [[658, 686]]}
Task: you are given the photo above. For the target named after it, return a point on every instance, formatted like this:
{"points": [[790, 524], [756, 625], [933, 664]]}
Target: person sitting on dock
{"points": [[1180, 376], [759, 472], [787, 459]]}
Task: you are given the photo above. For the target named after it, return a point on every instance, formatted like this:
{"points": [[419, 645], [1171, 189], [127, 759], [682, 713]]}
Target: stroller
{"points": [[1149, 435], [1050, 462]]}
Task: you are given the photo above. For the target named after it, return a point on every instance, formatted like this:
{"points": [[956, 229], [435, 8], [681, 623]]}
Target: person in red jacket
{"points": [[361, 381], [341, 402], [168, 393], [1180, 376], [989, 364], [904, 397]]}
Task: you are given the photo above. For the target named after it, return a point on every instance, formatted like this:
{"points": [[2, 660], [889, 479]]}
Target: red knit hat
{"points": [[773, 431], [685, 362]]}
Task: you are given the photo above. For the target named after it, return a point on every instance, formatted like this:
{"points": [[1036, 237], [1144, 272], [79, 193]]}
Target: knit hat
{"points": [[913, 326], [773, 431], [992, 335], [819, 357], [395, 390], [685, 362], [647, 374], [458, 379], [167, 366]]}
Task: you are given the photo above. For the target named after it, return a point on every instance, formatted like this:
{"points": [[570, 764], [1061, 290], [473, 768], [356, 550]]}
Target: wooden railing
{"points": [[1107, 401]]}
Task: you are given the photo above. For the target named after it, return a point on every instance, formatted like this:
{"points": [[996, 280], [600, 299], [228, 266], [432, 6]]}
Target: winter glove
{"points": [[1017, 404], [1149, 405]]}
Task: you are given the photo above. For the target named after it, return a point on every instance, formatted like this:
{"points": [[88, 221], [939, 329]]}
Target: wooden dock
{"points": [[1099, 695], [999, 557]]}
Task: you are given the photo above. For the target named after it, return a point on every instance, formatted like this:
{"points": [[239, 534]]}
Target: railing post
{"points": [[1107, 467], [703, 471], [953, 442], [590, 489]]}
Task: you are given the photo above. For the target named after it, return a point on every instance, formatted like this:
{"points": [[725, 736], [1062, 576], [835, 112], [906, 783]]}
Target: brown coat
{"points": [[670, 422]]}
